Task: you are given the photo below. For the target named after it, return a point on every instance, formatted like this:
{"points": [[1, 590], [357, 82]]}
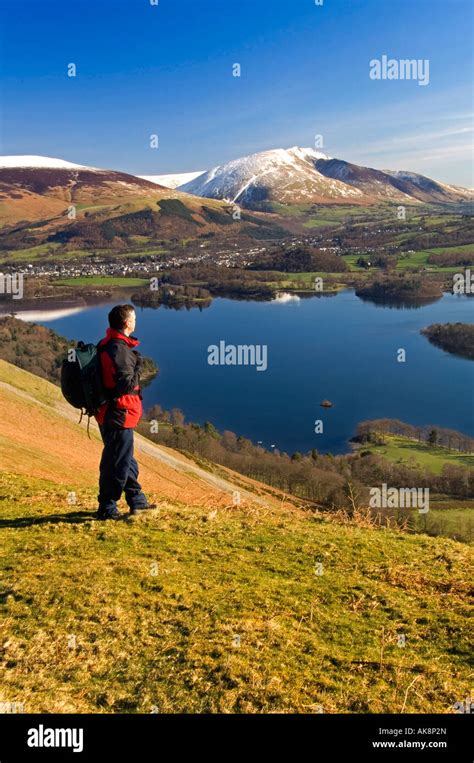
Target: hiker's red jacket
{"points": [[121, 366]]}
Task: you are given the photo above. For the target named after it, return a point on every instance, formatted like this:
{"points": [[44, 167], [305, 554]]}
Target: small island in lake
{"points": [[173, 295], [457, 338], [400, 290]]}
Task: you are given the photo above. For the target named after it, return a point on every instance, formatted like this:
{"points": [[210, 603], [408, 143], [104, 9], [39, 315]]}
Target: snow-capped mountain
{"points": [[108, 206], [38, 187], [172, 181], [303, 175], [284, 175], [390, 185], [425, 185], [34, 187], [41, 162], [57, 177]]}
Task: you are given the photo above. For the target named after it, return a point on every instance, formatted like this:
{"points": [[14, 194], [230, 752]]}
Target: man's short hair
{"points": [[119, 315]]}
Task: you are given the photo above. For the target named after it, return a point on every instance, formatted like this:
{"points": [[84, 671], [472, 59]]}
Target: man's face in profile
{"points": [[131, 322]]}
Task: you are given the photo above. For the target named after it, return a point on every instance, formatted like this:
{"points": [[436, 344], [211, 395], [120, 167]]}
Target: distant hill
{"points": [[391, 186], [61, 184], [303, 175], [58, 204], [50, 201]]}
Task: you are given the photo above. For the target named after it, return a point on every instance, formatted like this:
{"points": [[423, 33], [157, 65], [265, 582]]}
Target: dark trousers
{"points": [[118, 471]]}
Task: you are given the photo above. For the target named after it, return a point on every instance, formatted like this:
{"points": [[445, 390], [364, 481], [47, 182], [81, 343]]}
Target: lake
{"points": [[338, 348]]}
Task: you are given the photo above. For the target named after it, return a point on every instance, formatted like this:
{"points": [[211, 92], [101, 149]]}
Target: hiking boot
{"points": [[108, 515], [140, 509]]}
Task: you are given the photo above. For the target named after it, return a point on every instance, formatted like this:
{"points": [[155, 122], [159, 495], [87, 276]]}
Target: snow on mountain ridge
{"points": [[425, 183], [303, 153], [296, 175], [277, 173], [41, 162], [172, 180]]}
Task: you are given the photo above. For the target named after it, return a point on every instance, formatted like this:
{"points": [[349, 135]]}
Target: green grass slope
{"points": [[221, 608], [403, 450]]}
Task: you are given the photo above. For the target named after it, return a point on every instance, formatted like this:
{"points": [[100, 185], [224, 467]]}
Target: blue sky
{"points": [[167, 70]]}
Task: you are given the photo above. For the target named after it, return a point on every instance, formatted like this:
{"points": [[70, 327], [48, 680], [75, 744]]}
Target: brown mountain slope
{"points": [[86, 208], [39, 428]]}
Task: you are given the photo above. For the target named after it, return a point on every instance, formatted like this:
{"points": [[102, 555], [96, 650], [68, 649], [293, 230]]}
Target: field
{"points": [[449, 517], [419, 259], [446, 516], [305, 281], [402, 450], [102, 281]]}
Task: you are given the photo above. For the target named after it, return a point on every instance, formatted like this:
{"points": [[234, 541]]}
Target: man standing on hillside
{"points": [[121, 366]]}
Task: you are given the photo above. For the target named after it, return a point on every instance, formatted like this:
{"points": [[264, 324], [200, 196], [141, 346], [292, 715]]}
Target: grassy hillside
{"points": [[447, 515], [207, 605], [404, 450], [162, 215]]}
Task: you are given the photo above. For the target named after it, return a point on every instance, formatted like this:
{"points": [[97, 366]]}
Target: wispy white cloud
{"points": [[437, 140]]}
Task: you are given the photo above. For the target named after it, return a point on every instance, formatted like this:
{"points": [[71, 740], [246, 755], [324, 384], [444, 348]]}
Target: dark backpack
{"points": [[81, 379]]}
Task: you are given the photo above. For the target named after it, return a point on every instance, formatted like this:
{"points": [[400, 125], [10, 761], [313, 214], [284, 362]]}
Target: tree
{"points": [[177, 417], [211, 430]]}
